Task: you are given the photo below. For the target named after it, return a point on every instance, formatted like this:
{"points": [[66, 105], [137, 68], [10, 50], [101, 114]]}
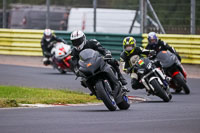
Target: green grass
{"points": [[12, 96]]}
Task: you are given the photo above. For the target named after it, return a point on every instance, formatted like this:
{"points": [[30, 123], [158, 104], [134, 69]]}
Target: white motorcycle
{"points": [[61, 56], [152, 77]]}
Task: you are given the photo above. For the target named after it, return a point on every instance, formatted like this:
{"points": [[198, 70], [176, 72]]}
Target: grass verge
{"points": [[11, 96]]}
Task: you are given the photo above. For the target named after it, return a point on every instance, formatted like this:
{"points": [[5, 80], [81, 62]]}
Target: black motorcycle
{"points": [[152, 78], [173, 68], [100, 78]]}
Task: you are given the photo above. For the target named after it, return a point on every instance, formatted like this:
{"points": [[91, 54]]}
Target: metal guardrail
{"points": [[188, 46], [27, 42], [20, 42]]}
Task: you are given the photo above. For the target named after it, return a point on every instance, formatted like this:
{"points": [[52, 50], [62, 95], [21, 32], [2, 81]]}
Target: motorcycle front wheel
{"points": [[104, 94], [55, 66], [124, 105], [160, 92], [61, 71], [181, 81]]}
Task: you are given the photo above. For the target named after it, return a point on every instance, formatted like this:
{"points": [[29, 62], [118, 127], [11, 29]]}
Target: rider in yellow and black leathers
{"points": [[130, 49]]}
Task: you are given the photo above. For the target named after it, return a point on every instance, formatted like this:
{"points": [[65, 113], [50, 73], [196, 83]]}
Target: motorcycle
{"points": [[173, 68], [102, 81], [60, 57], [151, 77]]}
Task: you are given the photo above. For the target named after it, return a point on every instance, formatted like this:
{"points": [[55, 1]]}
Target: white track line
{"points": [[22, 106]]}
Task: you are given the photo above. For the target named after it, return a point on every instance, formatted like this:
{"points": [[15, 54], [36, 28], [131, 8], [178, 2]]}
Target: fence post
{"points": [[145, 16], [141, 16], [4, 13], [133, 22], [95, 13], [47, 13], [192, 20], [156, 17]]}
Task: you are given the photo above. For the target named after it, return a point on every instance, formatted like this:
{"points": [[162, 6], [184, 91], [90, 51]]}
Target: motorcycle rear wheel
{"points": [[104, 94], [159, 91]]}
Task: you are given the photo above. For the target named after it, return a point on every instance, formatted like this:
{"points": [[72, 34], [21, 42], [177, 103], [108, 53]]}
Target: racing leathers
{"points": [[95, 45], [160, 46], [125, 59], [47, 46]]}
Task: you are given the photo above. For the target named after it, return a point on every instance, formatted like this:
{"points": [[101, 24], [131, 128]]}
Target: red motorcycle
{"points": [[173, 68], [61, 57]]}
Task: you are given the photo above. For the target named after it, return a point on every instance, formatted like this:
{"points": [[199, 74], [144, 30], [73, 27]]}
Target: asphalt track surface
{"points": [[181, 115]]}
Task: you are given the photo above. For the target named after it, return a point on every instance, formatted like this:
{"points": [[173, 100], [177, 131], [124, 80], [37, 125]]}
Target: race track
{"points": [[181, 115]]}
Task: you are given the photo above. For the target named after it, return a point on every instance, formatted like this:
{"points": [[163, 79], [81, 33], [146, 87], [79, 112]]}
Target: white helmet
{"points": [[78, 39], [47, 34]]}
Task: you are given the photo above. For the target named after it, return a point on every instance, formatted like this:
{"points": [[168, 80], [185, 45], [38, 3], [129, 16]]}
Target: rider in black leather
{"points": [[80, 43], [130, 50], [46, 46], [154, 43]]}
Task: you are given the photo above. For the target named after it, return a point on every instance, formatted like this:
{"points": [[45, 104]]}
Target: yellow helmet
{"points": [[129, 44]]}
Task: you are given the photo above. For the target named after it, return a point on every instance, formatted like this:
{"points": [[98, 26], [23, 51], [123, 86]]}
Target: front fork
{"points": [[163, 77]]}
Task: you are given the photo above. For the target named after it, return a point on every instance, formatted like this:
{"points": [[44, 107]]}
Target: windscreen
{"points": [[87, 54], [166, 58]]}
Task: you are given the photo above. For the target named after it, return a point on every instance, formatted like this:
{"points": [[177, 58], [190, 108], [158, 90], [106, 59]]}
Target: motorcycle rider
{"points": [[46, 45], [154, 43], [80, 43], [130, 50]]}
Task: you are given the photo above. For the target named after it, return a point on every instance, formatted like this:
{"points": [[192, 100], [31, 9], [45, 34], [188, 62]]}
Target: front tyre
{"points": [[102, 91], [61, 71], [181, 81], [124, 105], [159, 91]]}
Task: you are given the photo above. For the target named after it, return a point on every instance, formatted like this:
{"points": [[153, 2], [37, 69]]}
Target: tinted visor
{"points": [[153, 41], [78, 42], [48, 37]]}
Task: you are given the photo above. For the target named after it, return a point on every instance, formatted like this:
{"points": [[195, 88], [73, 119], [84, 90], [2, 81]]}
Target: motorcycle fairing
{"points": [[166, 58]]}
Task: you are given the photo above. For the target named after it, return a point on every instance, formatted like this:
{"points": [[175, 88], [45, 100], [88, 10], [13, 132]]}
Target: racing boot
{"points": [[46, 61], [125, 89]]}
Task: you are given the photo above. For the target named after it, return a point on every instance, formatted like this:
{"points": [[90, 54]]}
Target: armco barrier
{"points": [[112, 42], [27, 42], [20, 42], [188, 46]]}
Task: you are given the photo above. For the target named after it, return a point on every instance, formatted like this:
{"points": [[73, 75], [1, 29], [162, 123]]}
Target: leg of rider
{"points": [[135, 84], [46, 60], [89, 86], [115, 65], [71, 65]]}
